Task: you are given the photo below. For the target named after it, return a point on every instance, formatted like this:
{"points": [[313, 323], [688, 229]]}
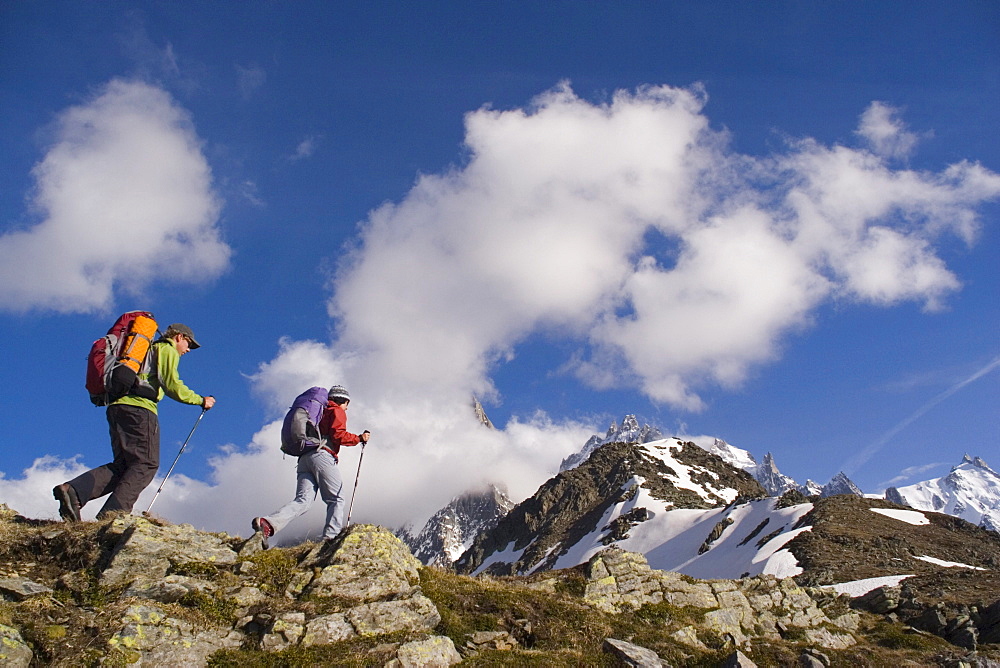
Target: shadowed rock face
{"points": [[450, 530], [570, 505]]}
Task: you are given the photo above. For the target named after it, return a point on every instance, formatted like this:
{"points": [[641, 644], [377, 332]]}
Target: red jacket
{"points": [[333, 427]]}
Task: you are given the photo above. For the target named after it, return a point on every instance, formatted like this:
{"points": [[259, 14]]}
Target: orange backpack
{"points": [[117, 358]]}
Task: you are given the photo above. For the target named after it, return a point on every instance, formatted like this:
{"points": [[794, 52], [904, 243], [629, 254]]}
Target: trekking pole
{"points": [[179, 453], [363, 443]]}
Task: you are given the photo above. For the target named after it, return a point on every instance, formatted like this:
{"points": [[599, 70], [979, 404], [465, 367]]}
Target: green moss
{"points": [[356, 652], [275, 570], [895, 636], [121, 658], [216, 609]]}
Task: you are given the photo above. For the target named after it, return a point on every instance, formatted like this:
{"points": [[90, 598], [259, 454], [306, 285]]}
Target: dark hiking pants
{"points": [[135, 444]]}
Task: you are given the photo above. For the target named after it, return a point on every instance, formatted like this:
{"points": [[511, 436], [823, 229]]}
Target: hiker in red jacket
{"points": [[318, 472]]}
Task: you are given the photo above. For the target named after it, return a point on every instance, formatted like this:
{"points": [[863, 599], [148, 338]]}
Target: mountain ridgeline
{"points": [[579, 502], [604, 474]]}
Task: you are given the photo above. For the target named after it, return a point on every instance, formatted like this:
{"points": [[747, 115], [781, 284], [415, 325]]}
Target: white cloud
{"points": [[306, 148], [881, 127], [125, 197], [632, 228], [31, 494]]}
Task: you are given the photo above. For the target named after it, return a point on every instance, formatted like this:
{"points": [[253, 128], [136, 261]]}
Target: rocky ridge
{"points": [[573, 504], [142, 592]]}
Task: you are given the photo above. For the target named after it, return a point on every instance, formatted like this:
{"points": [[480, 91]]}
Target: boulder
{"points": [[149, 636], [14, 652], [632, 655], [146, 551], [760, 606], [365, 563], [434, 652]]}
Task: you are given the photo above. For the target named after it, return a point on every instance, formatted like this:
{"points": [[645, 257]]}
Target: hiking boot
{"points": [[264, 528], [69, 504]]}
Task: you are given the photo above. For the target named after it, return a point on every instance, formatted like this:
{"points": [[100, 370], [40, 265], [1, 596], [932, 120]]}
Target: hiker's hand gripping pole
{"points": [[179, 453]]}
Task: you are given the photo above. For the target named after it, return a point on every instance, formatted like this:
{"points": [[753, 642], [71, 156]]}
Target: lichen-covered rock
{"points": [[416, 613], [880, 600], [170, 589], [760, 606], [366, 563], [326, 629], [728, 623], [632, 655], [14, 651], [434, 652], [244, 597], [621, 581], [151, 637], [829, 639], [286, 630], [146, 550], [738, 660]]}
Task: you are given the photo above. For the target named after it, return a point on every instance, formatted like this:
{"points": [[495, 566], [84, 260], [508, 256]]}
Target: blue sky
{"points": [[775, 224]]}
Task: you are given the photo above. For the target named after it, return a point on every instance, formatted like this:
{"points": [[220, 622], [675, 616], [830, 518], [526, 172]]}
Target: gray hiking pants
{"points": [[317, 473], [135, 445]]}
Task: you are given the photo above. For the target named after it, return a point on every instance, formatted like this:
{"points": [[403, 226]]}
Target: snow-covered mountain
{"points": [[971, 491], [668, 499], [687, 511], [766, 472], [451, 530], [628, 432]]}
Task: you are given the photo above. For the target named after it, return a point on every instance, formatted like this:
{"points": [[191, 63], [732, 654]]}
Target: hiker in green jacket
{"points": [[135, 433]]}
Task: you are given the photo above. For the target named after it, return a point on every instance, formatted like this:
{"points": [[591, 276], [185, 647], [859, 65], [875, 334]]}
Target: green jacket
{"points": [[165, 379]]}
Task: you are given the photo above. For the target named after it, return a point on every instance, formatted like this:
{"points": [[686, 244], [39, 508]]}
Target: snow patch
{"points": [[856, 588], [947, 564], [508, 555], [913, 517], [663, 451]]}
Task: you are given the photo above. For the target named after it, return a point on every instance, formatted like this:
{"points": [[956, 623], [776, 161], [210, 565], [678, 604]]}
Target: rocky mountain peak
{"points": [[628, 432], [601, 500], [840, 484], [451, 530], [971, 490]]}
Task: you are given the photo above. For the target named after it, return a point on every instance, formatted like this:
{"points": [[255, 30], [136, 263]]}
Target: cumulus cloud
{"points": [[631, 228], [427, 446], [124, 196]]}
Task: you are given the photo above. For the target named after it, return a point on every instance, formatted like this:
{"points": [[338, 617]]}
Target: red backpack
{"points": [[117, 358]]}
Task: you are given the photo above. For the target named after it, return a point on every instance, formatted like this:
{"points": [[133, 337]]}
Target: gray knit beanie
{"points": [[339, 392]]}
